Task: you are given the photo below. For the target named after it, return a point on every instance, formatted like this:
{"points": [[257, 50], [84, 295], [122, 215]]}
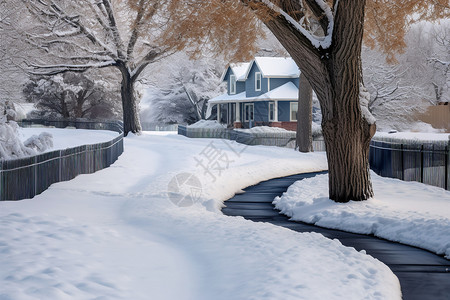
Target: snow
{"points": [[364, 100], [213, 124], [414, 136], [69, 138], [23, 109], [317, 41], [239, 70], [277, 67], [264, 129], [117, 234], [286, 92], [225, 98], [408, 212]]}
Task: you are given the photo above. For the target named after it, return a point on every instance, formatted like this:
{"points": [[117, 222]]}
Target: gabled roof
{"points": [[275, 67], [239, 70], [286, 92]]}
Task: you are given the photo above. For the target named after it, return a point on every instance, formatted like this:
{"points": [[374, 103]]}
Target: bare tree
{"points": [[126, 35], [71, 95], [180, 88], [428, 54], [12, 50]]}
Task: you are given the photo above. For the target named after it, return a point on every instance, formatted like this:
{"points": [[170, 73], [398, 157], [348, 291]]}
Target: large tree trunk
{"points": [[131, 122], [335, 76], [304, 116]]}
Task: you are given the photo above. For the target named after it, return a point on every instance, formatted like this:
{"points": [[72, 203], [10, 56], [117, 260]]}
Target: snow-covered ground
{"points": [[118, 233], [68, 138], [408, 212]]}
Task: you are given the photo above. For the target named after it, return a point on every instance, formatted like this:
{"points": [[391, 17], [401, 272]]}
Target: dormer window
{"points": [[257, 81], [232, 84]]}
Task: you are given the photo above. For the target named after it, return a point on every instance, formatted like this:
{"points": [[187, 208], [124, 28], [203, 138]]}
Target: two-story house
{"points": [[262, 92]]}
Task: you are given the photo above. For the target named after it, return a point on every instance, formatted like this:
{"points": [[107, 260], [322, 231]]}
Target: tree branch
{"points": [[114, 30]]}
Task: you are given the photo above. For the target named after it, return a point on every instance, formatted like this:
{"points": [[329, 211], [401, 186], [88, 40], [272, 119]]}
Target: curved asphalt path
{"points": [[422, 274]]}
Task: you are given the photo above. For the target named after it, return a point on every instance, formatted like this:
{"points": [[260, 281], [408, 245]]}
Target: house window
{"points": [[257, 81], [271, 111], [294, 109], [248, 112], [232, 84]]}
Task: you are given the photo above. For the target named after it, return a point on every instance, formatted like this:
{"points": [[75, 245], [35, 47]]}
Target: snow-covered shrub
{"points": [[40, 143], [316, 130], [11, 146]]}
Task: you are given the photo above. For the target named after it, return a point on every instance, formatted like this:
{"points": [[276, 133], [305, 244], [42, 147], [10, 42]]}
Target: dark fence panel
{"points": [[280, 139], [412, 161], [26, 177]]}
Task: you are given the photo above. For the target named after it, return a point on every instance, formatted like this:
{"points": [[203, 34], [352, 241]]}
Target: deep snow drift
{"points": [[117, 233]]}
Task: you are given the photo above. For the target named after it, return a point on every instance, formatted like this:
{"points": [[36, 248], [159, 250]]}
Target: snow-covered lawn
{"points": [[68, 138], [117, 234], [408, 212]]}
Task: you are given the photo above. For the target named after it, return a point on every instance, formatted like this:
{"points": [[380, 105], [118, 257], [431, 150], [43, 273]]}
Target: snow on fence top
{"points": [[441, 139]]}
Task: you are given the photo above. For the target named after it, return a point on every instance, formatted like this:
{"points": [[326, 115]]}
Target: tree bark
{"points": [[131, 122], [304, 116], [335, 76], [64, 109]]}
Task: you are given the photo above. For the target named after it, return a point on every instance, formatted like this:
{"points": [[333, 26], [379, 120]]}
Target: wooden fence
{"points": [[26, 177], [412, 161]]}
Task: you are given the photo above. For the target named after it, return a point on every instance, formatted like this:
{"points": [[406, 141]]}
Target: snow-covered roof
{"points": [[286, 92], [240, 70], [281, 67], [225, 98]]}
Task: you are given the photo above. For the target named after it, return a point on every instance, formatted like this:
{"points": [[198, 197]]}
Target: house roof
{"points": [[286, 92], [239, 70], [275, 67]]}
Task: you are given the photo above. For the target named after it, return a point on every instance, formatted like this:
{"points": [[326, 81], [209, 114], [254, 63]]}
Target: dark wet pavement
{"points": [[422, 274]]}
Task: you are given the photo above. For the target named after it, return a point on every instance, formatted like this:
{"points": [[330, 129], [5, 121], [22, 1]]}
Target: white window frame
{"points": [[232, 84], [290, 111], [258, 74], [272, 104], [246, 119]]}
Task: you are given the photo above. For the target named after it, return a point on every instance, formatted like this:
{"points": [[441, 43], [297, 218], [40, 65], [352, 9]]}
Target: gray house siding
{"points": [[250, 83]]}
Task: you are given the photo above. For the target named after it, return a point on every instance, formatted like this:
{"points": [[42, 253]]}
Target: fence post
{"points": [[446, 162], [35, 175], [401, 163], [421, 164]]}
